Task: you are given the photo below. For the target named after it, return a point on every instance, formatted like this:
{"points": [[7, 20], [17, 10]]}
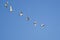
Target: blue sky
{"points": [[15, 27]]}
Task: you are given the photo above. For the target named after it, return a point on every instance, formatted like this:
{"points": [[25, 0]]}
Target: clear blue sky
{"points": [[14, 27]]}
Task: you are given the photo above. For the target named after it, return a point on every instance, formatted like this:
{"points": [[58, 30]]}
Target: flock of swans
{"points": [[21, 14]]}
